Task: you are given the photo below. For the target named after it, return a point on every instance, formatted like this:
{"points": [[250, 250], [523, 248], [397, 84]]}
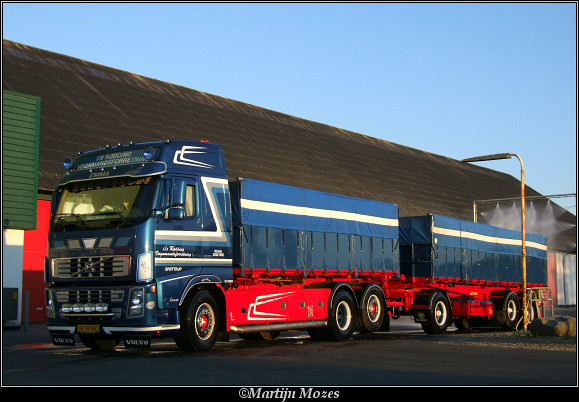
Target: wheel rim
{"points": [[440, 313], [204, 321], [511, 310], [343, 316], [373, 308]]}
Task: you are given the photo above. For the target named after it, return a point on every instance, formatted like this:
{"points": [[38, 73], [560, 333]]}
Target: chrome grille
{"points": [[91, 267], [89, 296]]}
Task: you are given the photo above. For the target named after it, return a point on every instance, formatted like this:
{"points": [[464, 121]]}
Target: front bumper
{"points": [[131, 310]]}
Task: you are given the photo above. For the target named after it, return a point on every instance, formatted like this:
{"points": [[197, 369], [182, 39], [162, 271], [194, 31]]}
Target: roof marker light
{"points": [[204, 140]]}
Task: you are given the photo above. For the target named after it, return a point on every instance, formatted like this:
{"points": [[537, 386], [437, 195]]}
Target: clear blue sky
{"points": [[457, 80]]}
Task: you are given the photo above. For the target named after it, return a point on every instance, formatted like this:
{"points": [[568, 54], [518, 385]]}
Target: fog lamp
{"points": [[137, 301]]}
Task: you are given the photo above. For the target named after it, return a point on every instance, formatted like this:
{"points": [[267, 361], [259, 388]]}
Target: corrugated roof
{"points": [[86, 105]]}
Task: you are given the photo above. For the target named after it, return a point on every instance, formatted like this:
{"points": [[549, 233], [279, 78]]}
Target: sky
{"points": [[454, 79]]}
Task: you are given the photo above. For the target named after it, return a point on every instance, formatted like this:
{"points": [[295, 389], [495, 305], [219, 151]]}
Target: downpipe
{"points": [[282, 326]]}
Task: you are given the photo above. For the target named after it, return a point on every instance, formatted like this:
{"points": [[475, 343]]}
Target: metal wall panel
{"points": [[20, 148]]}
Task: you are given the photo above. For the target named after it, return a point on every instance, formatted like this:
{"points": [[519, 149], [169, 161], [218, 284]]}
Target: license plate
{"points": [[88, 328]]}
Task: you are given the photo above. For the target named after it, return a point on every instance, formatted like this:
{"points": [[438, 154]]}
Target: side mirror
{"points": [[179, 193], [175, 214]]}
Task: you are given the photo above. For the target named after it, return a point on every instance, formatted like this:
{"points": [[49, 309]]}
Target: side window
{"points": [[191, 201], [166, 201]]}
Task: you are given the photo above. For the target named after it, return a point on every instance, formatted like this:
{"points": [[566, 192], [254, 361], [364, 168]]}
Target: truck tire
{"points": [[372, 310], [342, 317], [438, 316], [199, 323], [508, 316]]}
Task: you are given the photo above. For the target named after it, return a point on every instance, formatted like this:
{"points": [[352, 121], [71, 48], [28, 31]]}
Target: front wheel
{"points": [[439, 316], [198, 323]]}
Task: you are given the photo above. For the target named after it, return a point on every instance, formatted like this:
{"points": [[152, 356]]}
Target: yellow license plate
{"points": [[88, 328]]}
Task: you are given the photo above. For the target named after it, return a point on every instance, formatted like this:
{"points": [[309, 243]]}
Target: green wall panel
{"points": [[20, 148]]}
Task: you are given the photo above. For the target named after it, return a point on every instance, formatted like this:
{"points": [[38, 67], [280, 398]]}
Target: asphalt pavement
{"points": [[37, 333]]}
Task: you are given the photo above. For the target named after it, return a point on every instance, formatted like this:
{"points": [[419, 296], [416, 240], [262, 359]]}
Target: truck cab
{"points": [[132, 228]]}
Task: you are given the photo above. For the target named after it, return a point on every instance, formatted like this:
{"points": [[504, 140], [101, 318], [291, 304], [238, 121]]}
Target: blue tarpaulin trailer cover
{"points": [[439, 246], [280, 226]]}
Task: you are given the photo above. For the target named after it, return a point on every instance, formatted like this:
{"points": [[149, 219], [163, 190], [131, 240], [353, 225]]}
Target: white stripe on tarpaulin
{"points": [[315, 212], [488, 239], [202, 261]]}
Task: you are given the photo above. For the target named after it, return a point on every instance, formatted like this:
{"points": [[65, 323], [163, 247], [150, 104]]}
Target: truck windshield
{"points": [[109, 203]]}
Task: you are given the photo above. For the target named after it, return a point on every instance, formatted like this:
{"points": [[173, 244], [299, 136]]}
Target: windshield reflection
{"points": [[118, 202]]}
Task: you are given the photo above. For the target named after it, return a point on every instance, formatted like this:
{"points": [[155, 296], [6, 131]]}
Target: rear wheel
{"points": [[508, 315], [372, 310], [341, 321], [438, 317], [198, 323]]}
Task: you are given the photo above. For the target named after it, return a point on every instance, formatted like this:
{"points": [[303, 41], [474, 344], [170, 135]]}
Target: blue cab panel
{"points": [[148, 159], [442, 247], [277, 226]]}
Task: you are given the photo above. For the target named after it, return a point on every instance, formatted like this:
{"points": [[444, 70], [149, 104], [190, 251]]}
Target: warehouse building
{"points": [[55, 106]]}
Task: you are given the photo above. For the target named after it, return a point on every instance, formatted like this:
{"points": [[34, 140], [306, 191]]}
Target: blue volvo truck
{"points": [[152, 240]]}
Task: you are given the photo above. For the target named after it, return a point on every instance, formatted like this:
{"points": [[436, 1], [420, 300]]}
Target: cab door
{"points": [[179, 227]]}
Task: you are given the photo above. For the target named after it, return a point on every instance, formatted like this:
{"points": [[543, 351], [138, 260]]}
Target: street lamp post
{"points": [[524, 250]]}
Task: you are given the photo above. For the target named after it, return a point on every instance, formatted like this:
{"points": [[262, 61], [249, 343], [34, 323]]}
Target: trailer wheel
{"points": [[199, 323], [438, 317], [341, 321], [507, 317], [371, 313]]}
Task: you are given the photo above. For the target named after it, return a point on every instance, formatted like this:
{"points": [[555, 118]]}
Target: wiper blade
{"points": [[77, 216], [124, 219]]}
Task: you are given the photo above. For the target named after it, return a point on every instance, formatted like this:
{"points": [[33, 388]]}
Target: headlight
{"points": [[145, 266], [136, 302], [50, 313], [66, 308]]}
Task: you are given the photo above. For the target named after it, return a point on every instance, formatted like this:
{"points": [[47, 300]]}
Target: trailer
{"points": [[153, 240], [473, 272]]}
